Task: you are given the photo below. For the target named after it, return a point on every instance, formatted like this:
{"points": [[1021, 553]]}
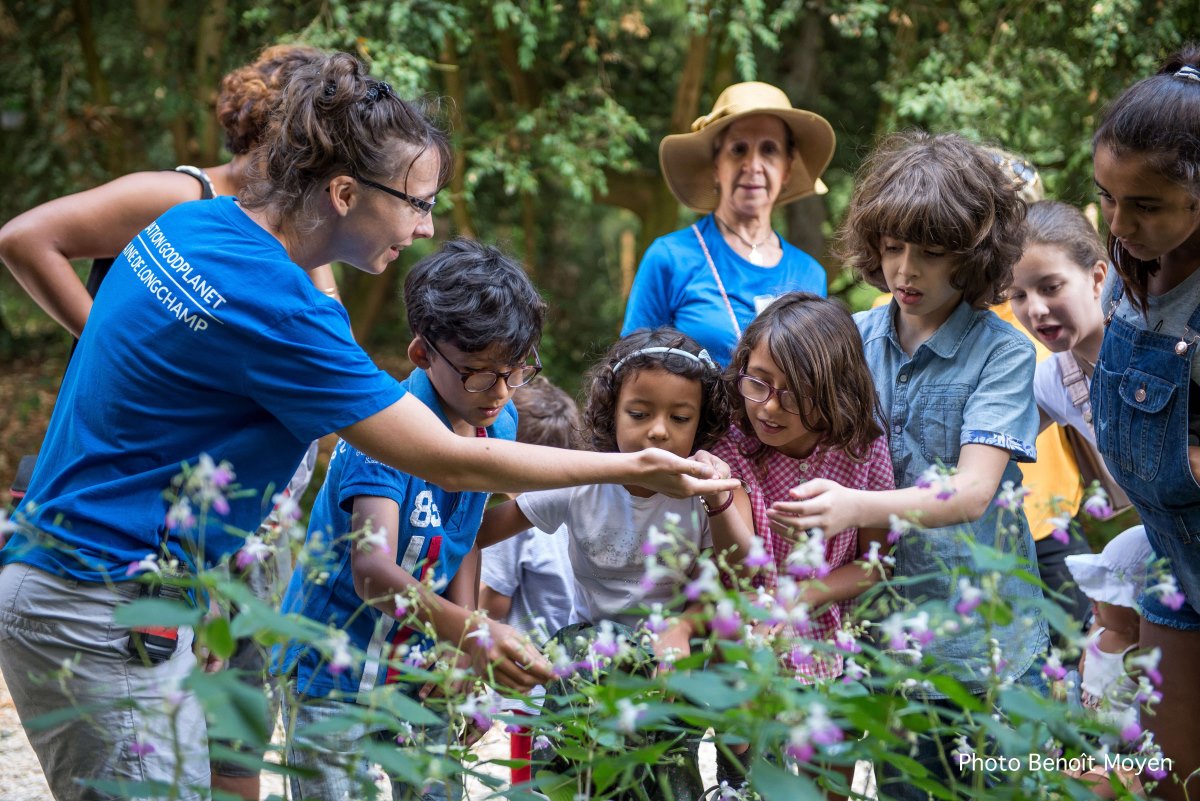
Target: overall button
{"points": [[904, 378], [1140, 395]]}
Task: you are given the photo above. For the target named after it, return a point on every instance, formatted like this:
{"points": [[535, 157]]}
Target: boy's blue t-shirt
{"points": [[674, 286], [437, 529], [204, 338]]}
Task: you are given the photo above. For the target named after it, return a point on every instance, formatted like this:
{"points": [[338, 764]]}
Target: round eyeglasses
{"points": [[483, 380], [758, 391]]}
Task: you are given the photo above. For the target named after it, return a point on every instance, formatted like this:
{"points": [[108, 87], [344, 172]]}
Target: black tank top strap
{"points": [[206, 186]]}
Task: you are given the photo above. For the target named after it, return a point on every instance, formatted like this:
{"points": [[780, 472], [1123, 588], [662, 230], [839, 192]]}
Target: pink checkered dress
{"points": [[769, 481]]}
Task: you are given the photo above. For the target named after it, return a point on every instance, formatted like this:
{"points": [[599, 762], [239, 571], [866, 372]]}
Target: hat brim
{"points": [[686, 159]]}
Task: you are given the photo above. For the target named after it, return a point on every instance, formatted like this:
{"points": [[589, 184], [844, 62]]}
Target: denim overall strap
{"points": [[1139, 406]]}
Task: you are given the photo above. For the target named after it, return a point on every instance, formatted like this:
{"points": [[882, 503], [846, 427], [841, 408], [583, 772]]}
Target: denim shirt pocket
{"points": [[940, 409], [1142, 420]]}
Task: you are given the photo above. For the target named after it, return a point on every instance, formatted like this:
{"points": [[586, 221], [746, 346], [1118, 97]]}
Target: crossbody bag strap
{"points": [[737, 329], [1073, 380]]}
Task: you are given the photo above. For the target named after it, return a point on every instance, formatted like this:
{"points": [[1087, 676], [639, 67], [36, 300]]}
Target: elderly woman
{"points": [[752, 153]]}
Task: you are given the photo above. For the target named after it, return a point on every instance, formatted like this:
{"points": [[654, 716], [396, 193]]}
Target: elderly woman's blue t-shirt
{"points": [[674, 286], [437, 529], [204, 338], [971, 383]]}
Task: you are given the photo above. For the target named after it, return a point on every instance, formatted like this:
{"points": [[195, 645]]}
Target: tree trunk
{"points": [[801, 82], [206, 76], [456, 91], [114, 139]]}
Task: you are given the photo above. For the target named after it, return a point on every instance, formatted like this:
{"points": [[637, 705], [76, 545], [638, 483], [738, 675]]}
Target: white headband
{"points": [[700, 358], [1188, 74]]}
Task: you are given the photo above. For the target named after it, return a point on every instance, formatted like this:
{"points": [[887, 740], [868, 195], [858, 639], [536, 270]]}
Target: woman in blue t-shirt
{"points": [[209, 346], [752, 153]]}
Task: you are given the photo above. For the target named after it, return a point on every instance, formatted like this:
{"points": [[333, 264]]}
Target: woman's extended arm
{"points": [[409, 437], [38, 245], [828, 505]]}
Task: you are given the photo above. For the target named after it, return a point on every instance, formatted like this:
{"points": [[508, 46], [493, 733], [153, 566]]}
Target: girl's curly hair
{"points": [[604, 385], [938, 190]]}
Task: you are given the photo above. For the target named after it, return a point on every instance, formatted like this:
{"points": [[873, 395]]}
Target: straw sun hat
{"points": [[687, 159]]}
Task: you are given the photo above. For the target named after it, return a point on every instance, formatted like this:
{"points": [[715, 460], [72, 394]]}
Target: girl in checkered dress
{"points": [[807, 411]]}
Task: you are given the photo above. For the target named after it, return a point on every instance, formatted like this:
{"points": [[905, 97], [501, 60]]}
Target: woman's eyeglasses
{"points": [[483, 380], [422, 207], [758, 391]]}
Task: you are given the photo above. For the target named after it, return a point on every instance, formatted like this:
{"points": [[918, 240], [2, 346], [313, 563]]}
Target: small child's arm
{"points": [[733, 527], [464, 587], [378, 579], [501, 522]]}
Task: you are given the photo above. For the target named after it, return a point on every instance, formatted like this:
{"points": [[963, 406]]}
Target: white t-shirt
{"points": [[534, 569], [1052, 398], [608, 527]]}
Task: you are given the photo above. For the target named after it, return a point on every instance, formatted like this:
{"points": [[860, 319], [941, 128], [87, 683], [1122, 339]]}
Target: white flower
{"points": [[373, 539], [341, 658], [628, 714]]}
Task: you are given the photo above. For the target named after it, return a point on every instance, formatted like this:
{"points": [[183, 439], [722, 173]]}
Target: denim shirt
{"points": [[969, 383]]}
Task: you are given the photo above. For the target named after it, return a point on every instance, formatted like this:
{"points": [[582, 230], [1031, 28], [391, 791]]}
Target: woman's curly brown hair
{"points": [[941, 191], [604, 386], [816, 345], [249, 93]]}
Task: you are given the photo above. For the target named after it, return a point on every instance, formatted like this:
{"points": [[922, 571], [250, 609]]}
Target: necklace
{"points": [[754, 257]]}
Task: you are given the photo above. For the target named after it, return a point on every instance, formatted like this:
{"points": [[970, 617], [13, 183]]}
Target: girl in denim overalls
{"points": [[936, 223], [1145, 398]]}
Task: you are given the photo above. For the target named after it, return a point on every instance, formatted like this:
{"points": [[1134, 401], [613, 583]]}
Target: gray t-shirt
{"points": [[534, 569]]}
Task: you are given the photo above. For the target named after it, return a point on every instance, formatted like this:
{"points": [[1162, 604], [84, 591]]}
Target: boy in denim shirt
{"points": [[377, 536], [936, 223]]}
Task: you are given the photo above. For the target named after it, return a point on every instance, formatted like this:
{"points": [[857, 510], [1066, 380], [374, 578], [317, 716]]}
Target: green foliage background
{"points": [[557, 109]]}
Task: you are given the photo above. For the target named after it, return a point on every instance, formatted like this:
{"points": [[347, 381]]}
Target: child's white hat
{"points": [[1117, 574]]}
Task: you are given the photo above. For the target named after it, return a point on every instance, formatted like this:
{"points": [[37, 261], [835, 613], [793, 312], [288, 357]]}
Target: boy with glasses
{"points": [[390, 557]]}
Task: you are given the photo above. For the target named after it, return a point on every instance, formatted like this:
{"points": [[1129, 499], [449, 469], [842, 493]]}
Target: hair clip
{"points": [[378, 89], [701, 358], [1188, 73]]}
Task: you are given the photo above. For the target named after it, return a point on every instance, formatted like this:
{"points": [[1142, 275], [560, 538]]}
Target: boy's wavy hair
{"points": [[816, 345], [940, 191], [604, 386], [1158, 118]]}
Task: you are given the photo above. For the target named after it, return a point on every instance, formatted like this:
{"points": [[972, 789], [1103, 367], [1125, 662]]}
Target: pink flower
{"points": [[970, 597], [148, 564], [1131, 731], [1062, 528], [140, 748], [726, 622], [1148, 664], [898, 527], [483, 633], [1011, 497], [936, 476], [817, 729], [1167, 590], [254, 550], [757, 556], [1097, 504], [846, 641], [707, 583], [180, 515], [1053, 669]]}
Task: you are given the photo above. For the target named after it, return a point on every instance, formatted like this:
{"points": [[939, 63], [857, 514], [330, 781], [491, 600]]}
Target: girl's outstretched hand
{"points": [[819, 503], [676, 477]]}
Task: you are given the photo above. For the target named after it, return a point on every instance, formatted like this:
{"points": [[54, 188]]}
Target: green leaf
{"points": [[218, 636], [556, 786], [776, 784], [156, 612]]}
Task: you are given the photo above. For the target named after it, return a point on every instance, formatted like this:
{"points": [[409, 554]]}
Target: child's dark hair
{"points": [[941, 191], [1158, 118], [604, 385], [335, 119], [473, 296], [815, 343], [1061, 225], [546, 415]]}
